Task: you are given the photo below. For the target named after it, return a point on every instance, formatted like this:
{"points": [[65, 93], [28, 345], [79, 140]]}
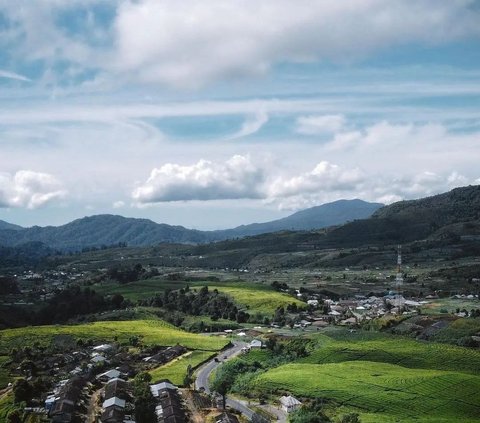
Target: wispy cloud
{"points": [[251, 125], [13, 75]]}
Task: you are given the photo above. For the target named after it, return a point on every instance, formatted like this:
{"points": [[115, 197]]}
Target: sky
{"points": [[215, 113]]}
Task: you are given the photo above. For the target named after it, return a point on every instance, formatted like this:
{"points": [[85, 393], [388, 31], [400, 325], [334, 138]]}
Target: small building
{"points": [[226, 418], [114, 402], [289, 403], [256, 343], [159, 387], [110, 374]]}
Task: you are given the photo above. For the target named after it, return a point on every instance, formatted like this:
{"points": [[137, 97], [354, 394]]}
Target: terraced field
{"points": [[149, 331], [176, 370], [382, 392], [400, 351]]}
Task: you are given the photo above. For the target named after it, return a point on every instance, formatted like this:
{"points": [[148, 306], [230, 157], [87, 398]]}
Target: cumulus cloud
{"points": [[28, 189], [237, 178], [324, 177], [319, 124], [189, 43]]}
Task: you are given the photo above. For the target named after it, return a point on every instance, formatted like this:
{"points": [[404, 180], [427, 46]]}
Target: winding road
{"points": [[204, 372]]}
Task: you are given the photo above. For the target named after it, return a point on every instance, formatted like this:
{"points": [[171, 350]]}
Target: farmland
{"points": [[148, 331], [256, 298], [395, 350], [176, 370], [380, 391]]}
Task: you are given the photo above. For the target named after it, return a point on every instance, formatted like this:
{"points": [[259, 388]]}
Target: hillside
{"points": [[108, 230], [102, 230], [330, 214], [6, 225]]}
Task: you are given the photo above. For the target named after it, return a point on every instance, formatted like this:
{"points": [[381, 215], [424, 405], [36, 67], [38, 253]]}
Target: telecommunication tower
{"points": [[399, 280]]}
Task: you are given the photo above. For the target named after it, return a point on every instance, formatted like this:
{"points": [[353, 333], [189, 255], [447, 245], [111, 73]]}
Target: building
{"points": [[289, 404]]}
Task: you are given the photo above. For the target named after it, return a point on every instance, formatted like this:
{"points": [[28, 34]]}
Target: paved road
{"points": [[205, 371]]}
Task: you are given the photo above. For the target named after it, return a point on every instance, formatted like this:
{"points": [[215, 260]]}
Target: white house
{"points": [[290, 404], [256, 343]]}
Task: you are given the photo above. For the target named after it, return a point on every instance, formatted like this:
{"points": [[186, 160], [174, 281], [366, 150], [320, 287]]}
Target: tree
{"points": [[22, 390], [15, 416], [222, 383], [350, 418]]}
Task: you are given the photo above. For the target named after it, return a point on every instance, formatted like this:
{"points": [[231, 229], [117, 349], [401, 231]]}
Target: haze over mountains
{"points": [[95, 231], [445, 217]]}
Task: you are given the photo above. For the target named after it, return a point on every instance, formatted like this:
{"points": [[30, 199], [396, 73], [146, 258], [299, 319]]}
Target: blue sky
{"points": [[217, 113]]}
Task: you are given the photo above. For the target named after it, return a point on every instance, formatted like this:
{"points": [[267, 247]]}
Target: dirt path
{"points": [[93, 407]]}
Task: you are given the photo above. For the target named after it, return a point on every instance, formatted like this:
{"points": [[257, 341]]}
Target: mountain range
{"points": [[106, 230]]}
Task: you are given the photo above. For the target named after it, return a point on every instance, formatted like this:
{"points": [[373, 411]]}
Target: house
{"points": [[256, 343], [110, 374], [226, 418], [159, 387], [114, 401], [116, 388], [112, 414], [103, 348], [289, 403]]}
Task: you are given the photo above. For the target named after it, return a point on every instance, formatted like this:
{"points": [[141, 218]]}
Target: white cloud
{"points": [[13, 75], [324, 177], [319, 124], [251, 125], [237, 178], [189, 43], [118, 204], [28, 189]]}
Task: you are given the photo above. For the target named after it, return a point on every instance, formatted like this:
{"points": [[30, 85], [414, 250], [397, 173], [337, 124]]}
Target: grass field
{"points": [[176, 370], [6, 405], [395, 350], [256, 298], [4, 375], [150, 332], [139, 289], [382, 392], [450, 304]]}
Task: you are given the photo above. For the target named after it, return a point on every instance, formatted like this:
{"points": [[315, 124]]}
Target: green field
{"points": [[176, 370], [382, 392], [256, 298], [6, 405], [149, 331], [395, 350], [4, 374], [139, 289]]}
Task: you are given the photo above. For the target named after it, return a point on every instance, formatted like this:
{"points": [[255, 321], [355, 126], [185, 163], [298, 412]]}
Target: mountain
{"points": [[330, 214], [103, 230], [107, 230], [449, 215], [6, 225]]}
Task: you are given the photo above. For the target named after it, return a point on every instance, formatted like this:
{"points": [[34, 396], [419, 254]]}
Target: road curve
{"points": [[205, 371]]}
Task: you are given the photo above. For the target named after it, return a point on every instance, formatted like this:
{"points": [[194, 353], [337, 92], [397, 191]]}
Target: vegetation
{"points": [[388, 391], [177, 370], [148, 331]]}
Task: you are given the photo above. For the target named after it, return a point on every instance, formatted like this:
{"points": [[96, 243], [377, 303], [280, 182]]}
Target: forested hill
{"points": [[108, 230], [330, 214], [6, 225], [449, 215], [460, 204], [102, 230]]}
